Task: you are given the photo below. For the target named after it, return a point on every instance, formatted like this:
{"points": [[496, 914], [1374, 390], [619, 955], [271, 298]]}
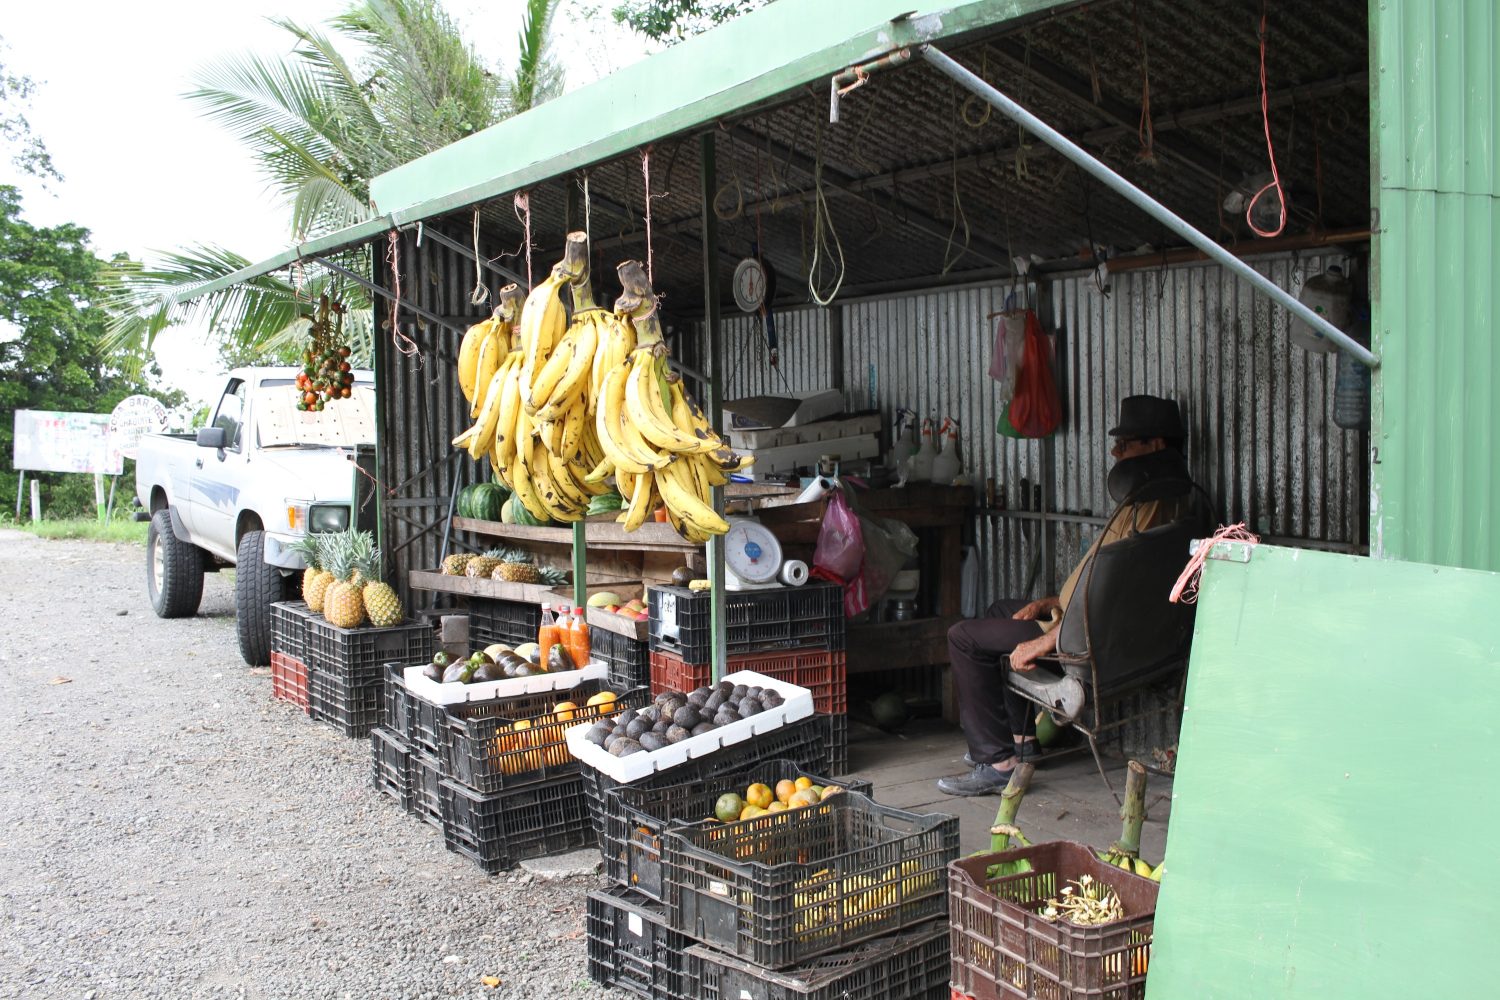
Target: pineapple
{"points": [[482, 567], [552, 576], [516, 567], [316, 578], [381, 602], [455, 564], [343, 605]]}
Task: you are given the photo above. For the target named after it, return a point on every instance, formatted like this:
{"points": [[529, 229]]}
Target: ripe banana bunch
{"points": [[480, 354], [494, 369]]}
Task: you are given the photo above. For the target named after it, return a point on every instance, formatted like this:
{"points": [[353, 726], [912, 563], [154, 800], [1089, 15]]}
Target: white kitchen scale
{"points": [[752, 556]]}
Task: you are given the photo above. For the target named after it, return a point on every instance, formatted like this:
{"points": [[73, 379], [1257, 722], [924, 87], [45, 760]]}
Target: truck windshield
{"points": [[344, 423]]}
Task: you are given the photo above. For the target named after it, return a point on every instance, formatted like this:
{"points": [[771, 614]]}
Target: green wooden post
{"points": [[580, 566], [715, 393]]}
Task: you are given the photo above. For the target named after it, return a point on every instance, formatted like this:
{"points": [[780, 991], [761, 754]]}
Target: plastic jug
{"points": [[1329, 295], [949, 464], [920, 468]]}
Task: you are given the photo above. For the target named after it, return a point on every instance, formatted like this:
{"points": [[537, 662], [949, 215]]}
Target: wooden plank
{"points": [[466, 586], [603, 532]]}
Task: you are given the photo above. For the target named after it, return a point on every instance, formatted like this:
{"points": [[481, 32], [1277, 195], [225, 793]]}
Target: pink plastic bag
{"points": [[841, 545]]}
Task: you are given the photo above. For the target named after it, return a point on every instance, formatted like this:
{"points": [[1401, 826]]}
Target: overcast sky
{"points": [[143, 171]]}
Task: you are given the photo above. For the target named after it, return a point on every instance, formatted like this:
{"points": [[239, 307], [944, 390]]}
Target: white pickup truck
{"points": [[240, 491]]}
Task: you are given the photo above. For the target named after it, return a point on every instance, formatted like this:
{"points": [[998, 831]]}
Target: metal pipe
{"points": [[452, 244], [855, 76], [370, 286], [1145, 202], [718, 624]]}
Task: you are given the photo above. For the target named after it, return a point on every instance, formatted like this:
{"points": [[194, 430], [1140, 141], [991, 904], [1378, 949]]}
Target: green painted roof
{"points": [[752, 59]]}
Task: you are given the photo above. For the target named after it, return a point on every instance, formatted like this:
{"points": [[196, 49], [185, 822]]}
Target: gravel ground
{"points": [[167, 830]]}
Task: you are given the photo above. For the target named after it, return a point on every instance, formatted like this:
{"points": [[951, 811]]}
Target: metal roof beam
{"points": [[452, 244]]}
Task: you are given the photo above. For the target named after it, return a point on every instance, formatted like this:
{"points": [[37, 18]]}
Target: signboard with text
{"points": [[134, 416], [59, 441]]}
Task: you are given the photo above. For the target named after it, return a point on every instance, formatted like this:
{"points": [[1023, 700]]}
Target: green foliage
{"points": [[49, 293], [321, 124], [539, 77], [673, 20], [28, 153], [119, 529]]}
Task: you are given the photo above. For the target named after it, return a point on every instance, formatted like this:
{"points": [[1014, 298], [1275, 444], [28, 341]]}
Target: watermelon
{"points": [[482, 501]]}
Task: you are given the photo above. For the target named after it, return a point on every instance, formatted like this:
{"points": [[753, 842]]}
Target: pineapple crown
{"points": [[338, 555], [552, 576], [515, 556], [310, 548]]}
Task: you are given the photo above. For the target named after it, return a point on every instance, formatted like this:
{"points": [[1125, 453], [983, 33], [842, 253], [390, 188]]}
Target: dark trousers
{"points": [[991, 714]]}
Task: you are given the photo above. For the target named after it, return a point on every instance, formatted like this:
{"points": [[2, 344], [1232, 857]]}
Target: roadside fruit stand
{"points": [[918, 181]]}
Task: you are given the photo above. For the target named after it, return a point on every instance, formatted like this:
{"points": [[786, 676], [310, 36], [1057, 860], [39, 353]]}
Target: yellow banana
{"points": [[525, 489], [571, 379], [640, 502], [550, 433], [510, 409], [625, 483], [543, 322], [562, 477], [648, 413], [468, 357], [589, 450], [687, 415], [1142, 869], [547, 378], [601, 471], [546, 489], [616, 339], [609, 424], [489, 417], [679, 495], [570, 440], [485, 366], [580, 474]]}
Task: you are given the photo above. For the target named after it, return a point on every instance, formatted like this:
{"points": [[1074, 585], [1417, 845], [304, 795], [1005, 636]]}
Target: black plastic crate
{"points": [[510, 623], [426, 798], [909, 966], [629, 660], [345, 650], [800, 742], [353, 702], [397, 701], [838, 742], [497, 831], [289, 629], [638, 817], [782, 888], [807, 617], [391, 766], [631, 947], [506, 743]]}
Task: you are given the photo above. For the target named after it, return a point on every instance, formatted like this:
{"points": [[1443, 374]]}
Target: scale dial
{"points": [[751, 552], [749, 285]]}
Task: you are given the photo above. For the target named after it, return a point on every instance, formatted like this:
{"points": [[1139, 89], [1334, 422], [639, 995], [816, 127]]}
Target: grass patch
{"points": [[88, 529]]}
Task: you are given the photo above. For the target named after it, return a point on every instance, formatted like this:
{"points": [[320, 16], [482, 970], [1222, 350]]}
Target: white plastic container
{"points": [[455, 693], [1330, 295], [797, 704]]}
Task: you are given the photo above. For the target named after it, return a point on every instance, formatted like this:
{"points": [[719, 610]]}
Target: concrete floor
{"points": [[1066, 801]]}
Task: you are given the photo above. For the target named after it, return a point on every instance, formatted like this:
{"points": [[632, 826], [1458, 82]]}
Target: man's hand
{"points": [[1037, 610], [1023, 658]]}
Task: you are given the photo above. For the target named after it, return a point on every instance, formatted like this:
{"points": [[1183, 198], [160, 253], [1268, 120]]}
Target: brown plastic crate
{"points": [[823, 672], [1002, 947], [289, 680]]}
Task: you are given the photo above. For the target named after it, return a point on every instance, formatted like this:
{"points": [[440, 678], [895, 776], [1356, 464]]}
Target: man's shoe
{"points": [[984, 780]]}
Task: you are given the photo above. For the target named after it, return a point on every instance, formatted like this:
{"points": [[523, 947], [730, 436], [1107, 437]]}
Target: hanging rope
{"points": [[1185, 590], [402, 342], [650, 248], [949, 257], [481, 292], [588, 210], [1144, 129], [823, 228], [1265, 117], [1318, 169], [523, 215]]}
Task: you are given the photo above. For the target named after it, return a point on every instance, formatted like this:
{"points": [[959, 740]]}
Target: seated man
{"points": [[1010, 636]]}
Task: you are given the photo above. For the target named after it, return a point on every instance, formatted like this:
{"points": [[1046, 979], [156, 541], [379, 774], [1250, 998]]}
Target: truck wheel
{"points": [[257, 585], [174, 570]]}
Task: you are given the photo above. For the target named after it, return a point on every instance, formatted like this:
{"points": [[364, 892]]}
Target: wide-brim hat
{"points": [[1148, 417]]}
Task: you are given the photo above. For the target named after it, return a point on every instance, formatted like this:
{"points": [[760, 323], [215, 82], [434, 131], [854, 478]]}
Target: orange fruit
{"points": [[802, 799], [750, 812], [784, 790], [830, 790], [776, 807], [758, 795], [564, 711], [803, 782], [605, 698]]}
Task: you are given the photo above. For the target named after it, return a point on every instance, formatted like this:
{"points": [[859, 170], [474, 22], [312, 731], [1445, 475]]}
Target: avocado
{"points": [[749, 707], [677, 734], [687, 717], [488, 671], [454, 673], [697, 698], [626, 747], [598, 733], [740, 690], [526, 670], [433, 672], [651, 741], [712, 704], [772, 698], [661, 727], [636, 727], [704, 727], [682, 576], [726, 716]]}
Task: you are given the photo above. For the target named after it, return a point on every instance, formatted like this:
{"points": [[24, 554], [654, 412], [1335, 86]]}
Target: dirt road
{"points": [[167, 830]]}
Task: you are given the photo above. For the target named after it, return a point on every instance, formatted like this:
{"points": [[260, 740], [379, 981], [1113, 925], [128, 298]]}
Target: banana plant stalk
{"points": [[1010, 804], [1132, 811]]}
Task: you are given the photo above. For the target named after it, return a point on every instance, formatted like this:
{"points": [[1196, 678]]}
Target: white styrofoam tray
{"points": [[453, 693], [797, 704]]}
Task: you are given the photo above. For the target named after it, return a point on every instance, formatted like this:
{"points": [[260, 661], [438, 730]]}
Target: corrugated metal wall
{"points": [[1436, 88], [1258, 409]]}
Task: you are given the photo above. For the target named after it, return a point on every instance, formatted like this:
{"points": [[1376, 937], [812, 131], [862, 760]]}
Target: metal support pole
{"points": [[715, 395], [109, 507], [580, 568], [20, 488], [1145, 203]]}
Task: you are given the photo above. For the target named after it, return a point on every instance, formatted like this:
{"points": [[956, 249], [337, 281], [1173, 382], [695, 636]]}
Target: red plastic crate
{"points": [[289, 680], [823, 672]]}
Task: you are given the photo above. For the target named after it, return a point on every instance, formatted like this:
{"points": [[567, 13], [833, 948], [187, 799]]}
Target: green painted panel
{"points": [[1435, 485], [754, 58], [1332, 815]]}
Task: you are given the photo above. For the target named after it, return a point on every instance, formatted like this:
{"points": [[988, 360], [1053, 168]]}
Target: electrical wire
{"points": [[1265, 117], [822, 218]]}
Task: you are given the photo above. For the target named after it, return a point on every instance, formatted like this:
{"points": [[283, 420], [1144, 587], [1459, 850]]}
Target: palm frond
{"points": [[539, 77]]}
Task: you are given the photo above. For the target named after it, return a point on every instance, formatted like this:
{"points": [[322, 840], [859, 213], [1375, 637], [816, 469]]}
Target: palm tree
{"points": [[320, 127]]}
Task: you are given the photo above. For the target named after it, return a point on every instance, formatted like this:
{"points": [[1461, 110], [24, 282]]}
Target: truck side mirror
{"points": [[211, 437]]}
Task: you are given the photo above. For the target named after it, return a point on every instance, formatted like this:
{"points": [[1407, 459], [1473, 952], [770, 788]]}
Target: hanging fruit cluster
{"points": [[326, 373]]}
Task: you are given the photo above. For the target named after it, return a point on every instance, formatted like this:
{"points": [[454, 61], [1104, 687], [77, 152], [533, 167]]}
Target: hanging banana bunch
{"points": [[483, 370]]}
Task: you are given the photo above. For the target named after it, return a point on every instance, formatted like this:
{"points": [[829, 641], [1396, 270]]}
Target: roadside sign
{"points": [[134, 416], [60, 441]]}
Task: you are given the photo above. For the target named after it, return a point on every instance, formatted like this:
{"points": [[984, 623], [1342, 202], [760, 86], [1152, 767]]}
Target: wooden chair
{"points": [[1121, 635]]}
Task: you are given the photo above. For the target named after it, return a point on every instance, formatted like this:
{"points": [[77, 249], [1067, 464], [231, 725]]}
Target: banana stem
{"points": [[574, 267], [1010, 804], [1132, 811], [638, 303]]}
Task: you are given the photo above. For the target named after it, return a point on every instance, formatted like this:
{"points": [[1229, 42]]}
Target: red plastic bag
{"points": [[1035, 409], [841, 544]]}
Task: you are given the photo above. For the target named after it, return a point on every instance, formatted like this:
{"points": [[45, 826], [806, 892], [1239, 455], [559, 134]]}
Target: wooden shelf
{"points": [[602, 532], [468, 586]]}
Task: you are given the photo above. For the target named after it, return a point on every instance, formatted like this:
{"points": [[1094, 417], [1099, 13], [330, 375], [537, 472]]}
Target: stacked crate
{"points": [[841, 899], [346, 670], [494, 775], [794, 634], [289, 629]]}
